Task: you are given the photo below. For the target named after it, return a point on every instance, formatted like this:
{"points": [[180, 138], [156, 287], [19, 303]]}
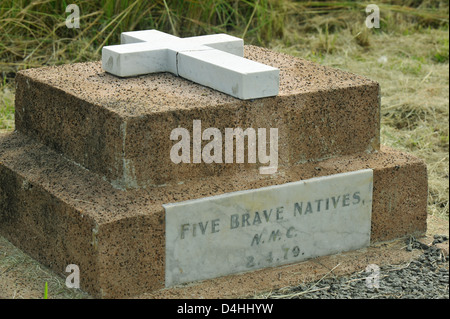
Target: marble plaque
{"points": [[267, 227]]}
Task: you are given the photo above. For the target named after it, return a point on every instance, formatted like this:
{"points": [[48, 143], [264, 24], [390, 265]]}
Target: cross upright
{"points": [[215, 61]]}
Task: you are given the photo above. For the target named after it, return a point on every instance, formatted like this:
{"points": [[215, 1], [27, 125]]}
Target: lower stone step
{"points": [[62, 214]]}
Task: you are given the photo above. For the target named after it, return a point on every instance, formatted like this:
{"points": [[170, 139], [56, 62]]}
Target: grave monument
{"points": [[149, 170]]}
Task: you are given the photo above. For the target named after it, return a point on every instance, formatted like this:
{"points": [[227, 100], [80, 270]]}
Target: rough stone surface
{"points": [[120, 128], [61, 213], [83, 136]]}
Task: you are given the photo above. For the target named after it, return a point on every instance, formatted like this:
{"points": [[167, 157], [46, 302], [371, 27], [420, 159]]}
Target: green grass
{"points": [[46, 290], [33, 33], [6, 107]]}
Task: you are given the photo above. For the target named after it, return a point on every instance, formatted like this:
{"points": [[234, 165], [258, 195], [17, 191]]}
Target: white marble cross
{"points": [[215, 61]]}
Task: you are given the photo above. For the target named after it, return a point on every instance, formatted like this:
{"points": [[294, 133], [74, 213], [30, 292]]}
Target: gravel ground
{"points": [[426, 277]]}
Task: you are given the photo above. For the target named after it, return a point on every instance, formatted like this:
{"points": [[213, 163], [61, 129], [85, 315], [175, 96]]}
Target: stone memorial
{"points": [[176, 162]]}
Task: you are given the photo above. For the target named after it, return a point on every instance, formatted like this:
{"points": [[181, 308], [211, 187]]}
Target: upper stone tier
{"points": [[120, 128]]}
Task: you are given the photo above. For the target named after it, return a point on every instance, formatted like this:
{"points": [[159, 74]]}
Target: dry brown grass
{"points": [[413, 72]]}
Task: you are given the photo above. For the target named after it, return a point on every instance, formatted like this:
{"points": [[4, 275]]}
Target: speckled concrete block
{"points": [[120, 128], [61, 213], [84, 177]]}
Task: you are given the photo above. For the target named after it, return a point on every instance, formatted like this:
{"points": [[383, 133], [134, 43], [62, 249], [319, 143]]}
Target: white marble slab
{"points": [[228, 73], [215, 61], [271, 226]]}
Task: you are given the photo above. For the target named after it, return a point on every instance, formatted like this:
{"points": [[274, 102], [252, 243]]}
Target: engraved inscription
{"points": [[266, 227]]}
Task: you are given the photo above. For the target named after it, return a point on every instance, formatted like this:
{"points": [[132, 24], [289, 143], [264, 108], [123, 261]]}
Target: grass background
{"points": [[408, 55]]}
